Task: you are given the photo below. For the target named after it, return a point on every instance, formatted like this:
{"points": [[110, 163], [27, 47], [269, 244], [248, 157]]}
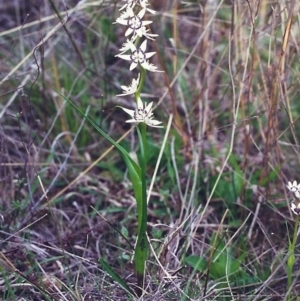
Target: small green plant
{"points": [[219, 264]]}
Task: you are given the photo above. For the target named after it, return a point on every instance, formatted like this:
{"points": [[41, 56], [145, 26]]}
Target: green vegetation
{"points": [[94, 208]]}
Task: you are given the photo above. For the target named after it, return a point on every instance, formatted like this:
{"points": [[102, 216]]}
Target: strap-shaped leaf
{"points": [[115, 276], [133, 168]]}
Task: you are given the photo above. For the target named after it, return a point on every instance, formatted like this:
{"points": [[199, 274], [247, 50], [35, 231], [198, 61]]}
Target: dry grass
{"points": [[231, 82]]}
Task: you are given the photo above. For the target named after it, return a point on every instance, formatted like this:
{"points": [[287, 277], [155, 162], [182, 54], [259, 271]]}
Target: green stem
{"points": [[141, 251], [141, 84], [291, 259]]}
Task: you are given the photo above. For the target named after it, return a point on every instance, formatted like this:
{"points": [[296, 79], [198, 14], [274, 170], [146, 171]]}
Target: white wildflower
{"points": [[124, 15], [134, 22], [151, 67], [143, 113], [132, 3], [295, 207], [144, 32], [295, 188], [131, 89], [129, 4], [126, 46], [138, 56]]}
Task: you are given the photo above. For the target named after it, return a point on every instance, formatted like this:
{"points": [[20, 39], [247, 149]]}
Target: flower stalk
{"points": [[142, 246], [137, 36]]}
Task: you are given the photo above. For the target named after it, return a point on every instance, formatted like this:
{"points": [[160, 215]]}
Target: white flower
{"points": [[129, 4], [124, 15], [144, 4], [144, 32], [138, 56], [295, 207], [295, 188], [134, 22], [132, 3], [131, 89], [142, 114], [126, 46], [151, 67]]}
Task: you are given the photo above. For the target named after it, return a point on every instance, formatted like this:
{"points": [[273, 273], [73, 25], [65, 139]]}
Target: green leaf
{"points": [[133, 169], [196, 262], [237, 177], [219, 254], [115, 276], [124, 231], [217, 269]]}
